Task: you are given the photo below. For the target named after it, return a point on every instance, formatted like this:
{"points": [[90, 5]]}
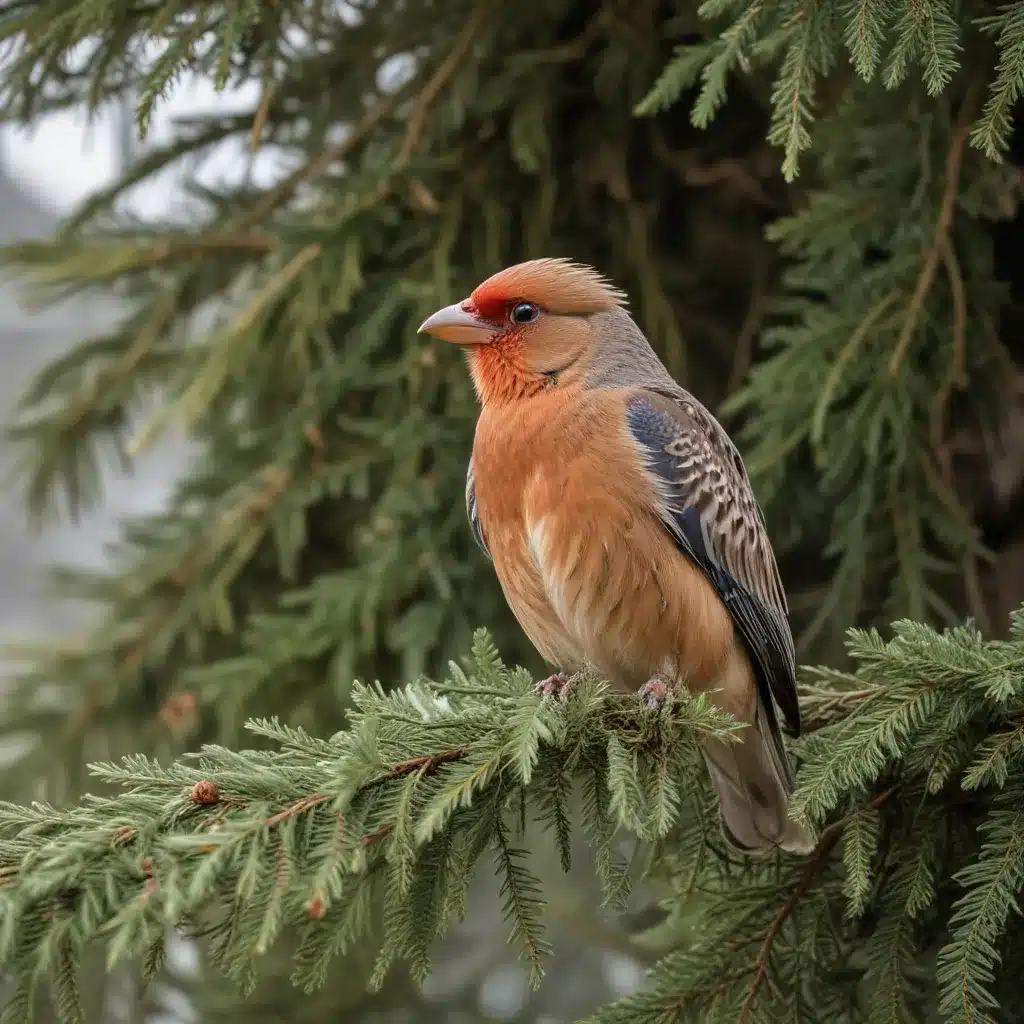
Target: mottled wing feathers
{"points": [[710, 509], [472, 512]]}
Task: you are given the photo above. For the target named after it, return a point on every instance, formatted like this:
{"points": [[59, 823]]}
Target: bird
{"points": [[623, 527]]}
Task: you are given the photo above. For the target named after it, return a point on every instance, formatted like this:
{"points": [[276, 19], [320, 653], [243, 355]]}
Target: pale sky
{"points": [[64, 158]]}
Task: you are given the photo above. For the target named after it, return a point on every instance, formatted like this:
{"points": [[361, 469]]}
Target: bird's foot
{"points": [[557, 685], [655, 690]]}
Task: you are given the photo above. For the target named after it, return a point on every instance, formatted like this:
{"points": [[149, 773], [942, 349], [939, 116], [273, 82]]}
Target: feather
{"points": [[710, 509], [472, 510]]}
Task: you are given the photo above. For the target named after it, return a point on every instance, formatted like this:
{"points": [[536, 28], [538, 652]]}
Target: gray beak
{"points": [[453, 324]]}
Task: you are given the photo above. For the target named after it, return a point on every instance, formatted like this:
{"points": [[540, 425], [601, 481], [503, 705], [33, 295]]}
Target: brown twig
{"points": [[435, 84], [818, 711], [947, 210], [429, 762], [701, 995], [297, 808], [188, 249], [375, 837], [956, 379], [281, 870], [262, 112], [123, 836], [733, 174], [750, 328], [829, 838], [367, 124]]}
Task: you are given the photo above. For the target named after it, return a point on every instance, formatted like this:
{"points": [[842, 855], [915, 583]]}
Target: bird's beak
{"points": [[455, 325]]}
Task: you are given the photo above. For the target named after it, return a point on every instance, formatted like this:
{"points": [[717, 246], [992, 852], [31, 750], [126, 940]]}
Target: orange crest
{"points": [[556, 285]]}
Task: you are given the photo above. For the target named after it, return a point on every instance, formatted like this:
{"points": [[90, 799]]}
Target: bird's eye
{"points": [[524, 313]]}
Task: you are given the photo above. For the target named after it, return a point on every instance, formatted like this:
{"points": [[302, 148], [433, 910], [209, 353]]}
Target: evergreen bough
{"points": [[319, 536], [372, 836]]}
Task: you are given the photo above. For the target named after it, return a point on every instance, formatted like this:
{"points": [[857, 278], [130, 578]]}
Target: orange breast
{"points": [[584, 561], [509, 446]]}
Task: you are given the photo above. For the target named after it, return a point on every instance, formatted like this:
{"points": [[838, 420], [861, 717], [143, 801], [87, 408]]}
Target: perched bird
{"points": [[622, 525]]}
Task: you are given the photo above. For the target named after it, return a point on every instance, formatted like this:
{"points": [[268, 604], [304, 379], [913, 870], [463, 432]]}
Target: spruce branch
{"points": [[992, 883], [943, 227], [259, 121], [826, 844], [882, 898], [800, 42], [403, 804], [822, 705], [992, 133], [312, 821]]}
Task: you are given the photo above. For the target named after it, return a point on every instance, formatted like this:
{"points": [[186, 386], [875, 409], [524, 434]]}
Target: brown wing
{"points": [[710, 509]]}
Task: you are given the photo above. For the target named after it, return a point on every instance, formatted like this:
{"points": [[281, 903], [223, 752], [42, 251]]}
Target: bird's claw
{"points": [[557, 685], [655, 690]]}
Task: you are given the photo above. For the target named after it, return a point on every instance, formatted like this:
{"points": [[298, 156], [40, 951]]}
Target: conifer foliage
{"points": [[841, 166], [373, 836]]}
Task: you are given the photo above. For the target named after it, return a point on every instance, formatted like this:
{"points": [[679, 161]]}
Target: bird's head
{"points": [[529, 327]]}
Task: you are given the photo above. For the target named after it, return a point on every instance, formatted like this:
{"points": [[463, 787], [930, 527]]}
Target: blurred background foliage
{"points": [[857, 327]]}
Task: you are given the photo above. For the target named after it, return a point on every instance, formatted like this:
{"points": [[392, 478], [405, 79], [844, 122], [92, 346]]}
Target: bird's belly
{"points": [[524, 590], [631, 601], [599, 582]]}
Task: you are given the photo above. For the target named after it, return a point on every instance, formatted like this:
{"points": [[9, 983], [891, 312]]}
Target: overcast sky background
{"points": [[66, 157]]}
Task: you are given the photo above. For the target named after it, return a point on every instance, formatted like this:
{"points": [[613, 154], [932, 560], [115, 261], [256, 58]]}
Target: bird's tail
{"points": [[754, 782]]}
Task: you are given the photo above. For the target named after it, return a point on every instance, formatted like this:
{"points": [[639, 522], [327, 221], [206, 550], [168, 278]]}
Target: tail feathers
{"points": [[753, 781]]}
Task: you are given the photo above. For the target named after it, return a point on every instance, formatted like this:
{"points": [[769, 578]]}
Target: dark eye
{"points": [[524, 313]]}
